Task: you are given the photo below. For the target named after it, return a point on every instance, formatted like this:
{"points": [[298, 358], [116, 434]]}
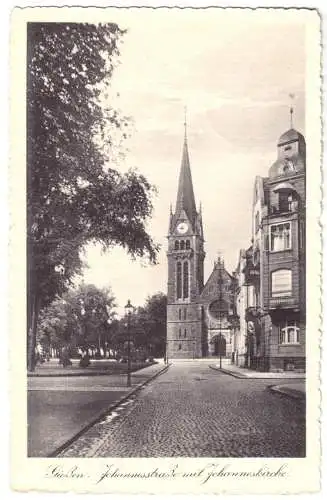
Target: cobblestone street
{"points": [[194, 411]]}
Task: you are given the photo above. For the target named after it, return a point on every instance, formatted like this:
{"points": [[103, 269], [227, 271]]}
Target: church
{"points": [[200, 316]]}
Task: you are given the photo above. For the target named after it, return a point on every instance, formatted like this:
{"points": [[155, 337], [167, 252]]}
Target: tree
{"points": [[149, 325], [58, 326], [94, 309], [80, 318], [73, 195]]}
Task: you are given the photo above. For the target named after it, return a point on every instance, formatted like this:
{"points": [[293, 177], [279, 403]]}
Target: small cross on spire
{"points": [[292, 96], [185, 124]]}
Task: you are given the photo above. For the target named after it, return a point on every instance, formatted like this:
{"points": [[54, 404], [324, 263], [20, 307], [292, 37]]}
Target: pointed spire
{"points": [[185, 194]]}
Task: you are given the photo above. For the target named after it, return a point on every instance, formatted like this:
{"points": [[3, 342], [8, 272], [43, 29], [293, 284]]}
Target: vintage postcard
{"points": [[165, 292]]}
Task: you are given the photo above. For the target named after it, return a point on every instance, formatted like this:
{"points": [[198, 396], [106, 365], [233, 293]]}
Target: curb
{"points": [[103, 414], [292, 393], [247, 377], [227, 372]]}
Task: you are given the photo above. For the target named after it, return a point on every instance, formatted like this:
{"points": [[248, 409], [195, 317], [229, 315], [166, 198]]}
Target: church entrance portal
{"points": [[219, 345]]}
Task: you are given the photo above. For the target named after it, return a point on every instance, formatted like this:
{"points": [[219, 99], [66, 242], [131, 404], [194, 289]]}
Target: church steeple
{"points": [[185, 194]]}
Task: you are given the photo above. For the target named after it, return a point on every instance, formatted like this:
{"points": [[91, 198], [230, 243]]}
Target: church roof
{"points": [[185, 194], [290, 136]]}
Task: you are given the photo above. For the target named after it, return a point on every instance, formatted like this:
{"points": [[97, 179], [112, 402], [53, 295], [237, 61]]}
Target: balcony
{"points": [[283, 303]]}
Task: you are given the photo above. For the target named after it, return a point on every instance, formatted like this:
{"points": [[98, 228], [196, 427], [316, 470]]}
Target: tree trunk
{"points": [[32, 327]]}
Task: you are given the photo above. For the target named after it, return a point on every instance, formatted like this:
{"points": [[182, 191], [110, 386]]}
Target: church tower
{"points": [[185, 269]]}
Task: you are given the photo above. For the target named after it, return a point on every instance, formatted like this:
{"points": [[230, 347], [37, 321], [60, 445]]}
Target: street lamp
{"points": [[128, 311]]}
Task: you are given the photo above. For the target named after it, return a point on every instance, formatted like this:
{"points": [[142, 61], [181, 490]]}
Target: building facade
{"points": [[275, 262]]}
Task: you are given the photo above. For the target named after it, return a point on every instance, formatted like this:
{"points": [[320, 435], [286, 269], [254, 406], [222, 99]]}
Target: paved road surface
{"points": [[192, 410]]}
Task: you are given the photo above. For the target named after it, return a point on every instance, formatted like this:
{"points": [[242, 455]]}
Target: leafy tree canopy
{"points": [[74, 197]]}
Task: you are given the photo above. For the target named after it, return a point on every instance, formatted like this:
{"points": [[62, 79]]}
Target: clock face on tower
{"points": [[182, 227]]}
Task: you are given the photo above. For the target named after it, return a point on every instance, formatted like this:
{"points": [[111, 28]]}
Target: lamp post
{"points": [[129, 310]]}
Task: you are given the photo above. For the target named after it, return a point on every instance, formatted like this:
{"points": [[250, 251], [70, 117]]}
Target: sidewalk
{"points": [[238, 372], [60, 409], [292, 389], [295, 390], [52, 368]]}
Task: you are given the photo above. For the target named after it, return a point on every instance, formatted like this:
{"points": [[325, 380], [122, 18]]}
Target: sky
{"points": [[234, 72]]}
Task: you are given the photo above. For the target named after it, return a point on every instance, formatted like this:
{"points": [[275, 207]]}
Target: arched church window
{"points": [[188, 244], [182, 245], [176, 245], [179, 280], [185, 280]]}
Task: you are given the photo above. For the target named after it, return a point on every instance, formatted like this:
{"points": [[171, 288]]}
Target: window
{"points": [[281, 283], [285, 201], [180, 347], [289, 333], [188, 244], [184, 332], [180, 333], [184, 313], [185, 280], [176, 245], [179, 314], [179, 279], [280, 237], [302, 235], [256, 225], [182, 245]]}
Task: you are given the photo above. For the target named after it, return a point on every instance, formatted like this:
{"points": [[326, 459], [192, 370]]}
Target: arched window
{"points": [[185, 280], [281, 283], [188, 244], [179, 280], [182, 245], [176, 245]]}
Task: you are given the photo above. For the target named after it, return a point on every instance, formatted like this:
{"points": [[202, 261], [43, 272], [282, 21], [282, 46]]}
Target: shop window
{"points": [[289, 333], [280, 237], [281, 283]]}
